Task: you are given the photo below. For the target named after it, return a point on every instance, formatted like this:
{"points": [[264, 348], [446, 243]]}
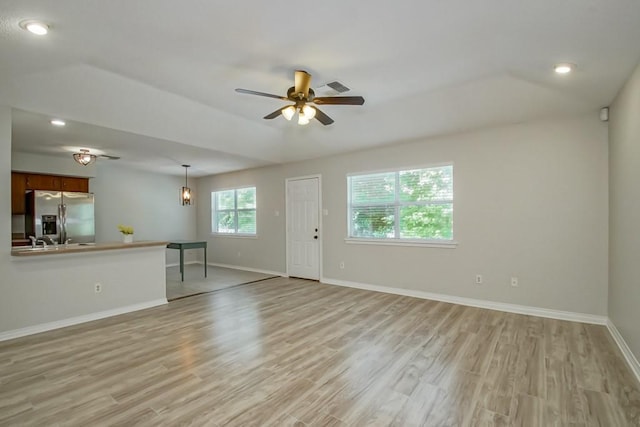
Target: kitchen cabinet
{"points": [[18, 188], [80, 185], [22, 182], [43, 182]]}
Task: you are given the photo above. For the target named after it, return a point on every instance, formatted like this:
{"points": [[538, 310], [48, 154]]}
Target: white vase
{"points": [[127, 238]]}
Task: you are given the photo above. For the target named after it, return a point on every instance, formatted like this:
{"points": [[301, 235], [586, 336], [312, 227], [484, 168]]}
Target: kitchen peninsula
{"points": [[80, 248], [81, 283]]}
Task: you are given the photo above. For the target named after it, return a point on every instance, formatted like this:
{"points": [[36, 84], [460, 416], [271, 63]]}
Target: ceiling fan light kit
{"points": [[302, 94], [309, 112], [289, 112]]}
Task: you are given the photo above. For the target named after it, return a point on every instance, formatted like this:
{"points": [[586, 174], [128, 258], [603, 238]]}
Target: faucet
{"points": [[49, 240], [44, 240]]}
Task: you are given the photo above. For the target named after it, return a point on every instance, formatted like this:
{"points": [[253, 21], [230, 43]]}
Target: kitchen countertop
{"points": [[78, 248]]}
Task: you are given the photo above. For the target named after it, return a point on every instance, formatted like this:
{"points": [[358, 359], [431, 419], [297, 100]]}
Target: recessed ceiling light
{"points": [[58, 122], [35, 27], [564, 68]]}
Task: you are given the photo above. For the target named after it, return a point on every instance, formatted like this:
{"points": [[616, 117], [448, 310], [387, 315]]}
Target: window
{"points": [[234, 211], [410, 205]]}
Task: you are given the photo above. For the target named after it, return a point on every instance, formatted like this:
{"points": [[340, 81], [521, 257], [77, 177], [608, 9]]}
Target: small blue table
{"points": [[188, 244]]}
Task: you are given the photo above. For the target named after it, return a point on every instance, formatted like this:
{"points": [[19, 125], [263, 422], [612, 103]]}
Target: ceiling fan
{"points": [[302, 95]]}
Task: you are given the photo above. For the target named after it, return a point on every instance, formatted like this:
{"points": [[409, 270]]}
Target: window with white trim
{"points": [[234, 211], [405, 205]]}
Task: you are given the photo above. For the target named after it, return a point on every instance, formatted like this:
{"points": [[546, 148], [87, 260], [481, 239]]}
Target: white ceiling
{"points": [[152, 81]]}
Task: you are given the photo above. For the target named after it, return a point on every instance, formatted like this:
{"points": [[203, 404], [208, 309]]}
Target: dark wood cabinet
{"points": [[22, 182], [80, 185], [43, 182], [18, 188]]}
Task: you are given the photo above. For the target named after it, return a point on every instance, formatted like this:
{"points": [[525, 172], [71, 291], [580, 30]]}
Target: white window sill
{"points": [[448, 244], [235, 236]]}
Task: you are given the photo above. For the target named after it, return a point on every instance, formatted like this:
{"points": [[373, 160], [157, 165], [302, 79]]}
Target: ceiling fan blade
{"points": [[302, 82], [275, 114], [339, 100], [253, 92], [322, 117]]}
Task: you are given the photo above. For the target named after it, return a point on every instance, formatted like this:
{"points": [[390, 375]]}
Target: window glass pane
{"points": [[426, 184], [426, 222], [229, 218], [226, 222], [375, 222], [247, 198], [373, 189], [225, 199], [247, 222]]}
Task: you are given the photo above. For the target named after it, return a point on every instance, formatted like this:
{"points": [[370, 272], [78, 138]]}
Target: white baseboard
{"points": [[624, 348], [254, 270], [177, 264], [43, 327], [491, 305]]}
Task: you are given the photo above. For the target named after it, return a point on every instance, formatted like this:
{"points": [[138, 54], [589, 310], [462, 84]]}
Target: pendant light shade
{"points": [[185, 194], [84, 157], [309, 112], [289, 112]]}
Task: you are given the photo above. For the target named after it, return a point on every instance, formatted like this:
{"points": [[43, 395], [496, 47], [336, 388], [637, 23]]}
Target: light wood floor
{"points": [[217, 278], [292, 352]]}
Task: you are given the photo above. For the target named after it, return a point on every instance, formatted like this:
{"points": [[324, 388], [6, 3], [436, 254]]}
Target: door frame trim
{"points": [[320, 225]]}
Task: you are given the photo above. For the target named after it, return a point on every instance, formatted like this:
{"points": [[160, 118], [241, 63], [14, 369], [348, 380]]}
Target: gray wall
{"points": [[624, 212], [148, 202], [530, 201], [55, 165]]}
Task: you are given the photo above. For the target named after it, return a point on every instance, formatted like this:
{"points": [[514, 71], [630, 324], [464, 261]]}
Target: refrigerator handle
{"points": [[62, 214]]}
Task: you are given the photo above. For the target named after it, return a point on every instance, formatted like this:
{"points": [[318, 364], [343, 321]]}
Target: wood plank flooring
{"points": [[218, 278], [288, 352]]}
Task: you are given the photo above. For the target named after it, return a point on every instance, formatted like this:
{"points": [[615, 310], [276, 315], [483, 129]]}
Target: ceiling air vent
{"points": [[331, 89], [338, 87]]}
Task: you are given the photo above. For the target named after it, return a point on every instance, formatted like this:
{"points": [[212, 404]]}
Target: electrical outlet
{"points": [[514, 282], [478, 279], [97, 288], [239, 254], [342, 264]]}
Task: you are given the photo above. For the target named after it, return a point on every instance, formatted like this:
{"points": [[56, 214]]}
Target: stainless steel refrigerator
{"points": [[61, 215]]}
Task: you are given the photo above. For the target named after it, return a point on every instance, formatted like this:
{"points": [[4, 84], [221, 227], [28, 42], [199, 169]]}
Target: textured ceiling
{"points": [[152, 81]]}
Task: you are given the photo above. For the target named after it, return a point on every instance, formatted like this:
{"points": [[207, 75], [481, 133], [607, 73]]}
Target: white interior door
{"points": [[303, 228]]}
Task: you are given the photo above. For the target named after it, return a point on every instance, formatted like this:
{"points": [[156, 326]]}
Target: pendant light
{"points": [[186, 191]]}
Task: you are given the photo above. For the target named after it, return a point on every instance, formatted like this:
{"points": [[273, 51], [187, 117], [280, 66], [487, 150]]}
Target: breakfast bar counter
{"points": [[77, 283], [82, 248]]}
